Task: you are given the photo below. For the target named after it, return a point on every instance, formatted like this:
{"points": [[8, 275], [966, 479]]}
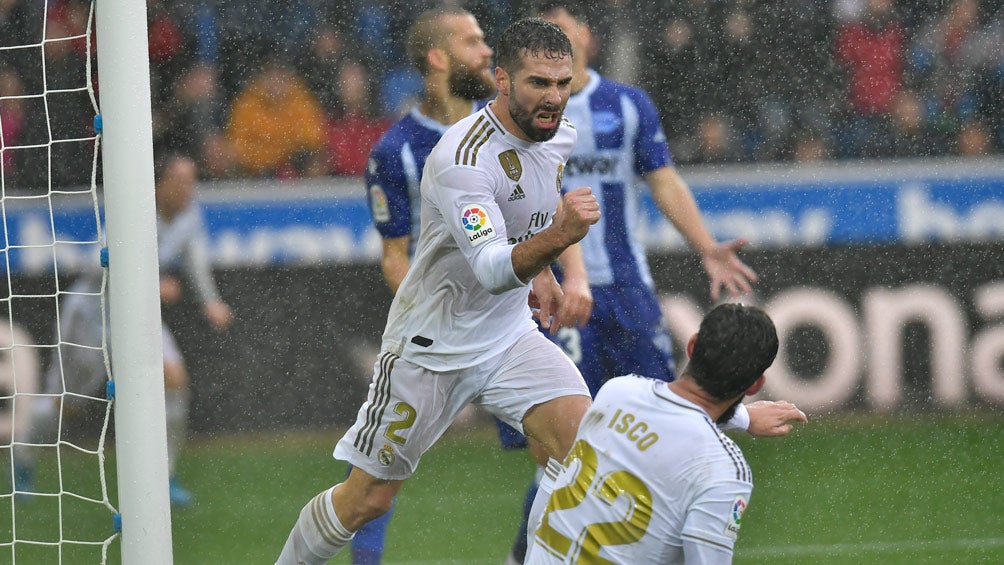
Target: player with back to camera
{"points": [[447, 46], [651, 478], [460, 329]]}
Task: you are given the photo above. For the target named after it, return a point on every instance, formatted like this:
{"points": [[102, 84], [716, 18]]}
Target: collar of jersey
{"points": [[508, 136], [663, 391], [429, 123]]}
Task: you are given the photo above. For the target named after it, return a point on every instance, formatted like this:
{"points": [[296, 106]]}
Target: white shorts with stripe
{"points": [[409, 407]]}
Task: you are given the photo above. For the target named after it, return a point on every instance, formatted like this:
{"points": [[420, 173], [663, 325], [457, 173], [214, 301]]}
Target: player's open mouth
{"points": [[547, 120]]}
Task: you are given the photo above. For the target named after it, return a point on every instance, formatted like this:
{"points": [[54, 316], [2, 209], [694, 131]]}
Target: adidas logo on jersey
{"points": [[517, 194]]}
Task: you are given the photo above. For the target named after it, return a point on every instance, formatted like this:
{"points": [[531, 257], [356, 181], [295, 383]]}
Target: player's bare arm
{"points": [[577, 302], [395, 260], [577, 299], [720, 261], [578, 211], [773, 418]]}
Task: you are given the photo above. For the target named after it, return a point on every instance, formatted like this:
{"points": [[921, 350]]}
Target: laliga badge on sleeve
{"points": [[379, 205], [477, 225], [735, 517]]}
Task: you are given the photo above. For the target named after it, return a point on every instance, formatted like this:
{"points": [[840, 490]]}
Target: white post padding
{"points": [[134, 302]]}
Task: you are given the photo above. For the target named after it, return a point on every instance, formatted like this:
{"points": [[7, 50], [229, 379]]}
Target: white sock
{"points": [[317, 536], [176, 407], [545, 486]]}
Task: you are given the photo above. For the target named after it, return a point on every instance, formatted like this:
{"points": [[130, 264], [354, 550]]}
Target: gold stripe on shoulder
{"points": [[495, 122], [475, 140], [463, 142], [474, 156]]}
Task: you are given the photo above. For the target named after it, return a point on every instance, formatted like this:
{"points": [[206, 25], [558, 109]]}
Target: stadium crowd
{"points": [[303, 88]]}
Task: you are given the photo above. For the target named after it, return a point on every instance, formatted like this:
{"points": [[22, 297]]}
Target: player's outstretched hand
{"points": [[770, 418], [219, 314], [579, 210], [726, 270]]}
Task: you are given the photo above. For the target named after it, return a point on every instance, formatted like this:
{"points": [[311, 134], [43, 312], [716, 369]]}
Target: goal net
{"points": [[56, 385]]}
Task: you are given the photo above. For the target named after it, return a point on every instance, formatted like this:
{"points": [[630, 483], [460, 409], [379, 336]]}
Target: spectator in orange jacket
{"points": [[277, 126]]}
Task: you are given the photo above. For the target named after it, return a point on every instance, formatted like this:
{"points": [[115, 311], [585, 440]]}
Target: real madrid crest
{"points": [[561, 170], [510, 164], [386, 455]]}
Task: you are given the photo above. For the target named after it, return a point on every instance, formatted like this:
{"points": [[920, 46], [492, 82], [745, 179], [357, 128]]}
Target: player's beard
{"points": [[470, 84], [729, 413], [524, 119]]}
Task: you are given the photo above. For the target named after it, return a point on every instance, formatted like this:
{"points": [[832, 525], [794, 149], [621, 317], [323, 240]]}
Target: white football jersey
{"points": [[483, 190], [649, 474]]}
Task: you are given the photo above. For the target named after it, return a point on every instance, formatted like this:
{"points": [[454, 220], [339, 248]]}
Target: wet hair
{"points": [[530, 36], [735, 345], [426, 33]]}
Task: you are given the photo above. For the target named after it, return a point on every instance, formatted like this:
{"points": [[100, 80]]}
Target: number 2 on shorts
{"points": [[407, 421]]}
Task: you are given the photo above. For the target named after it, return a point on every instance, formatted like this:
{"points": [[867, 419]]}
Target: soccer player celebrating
{"points": [[447, 46], [651, 479], [460, 329]]}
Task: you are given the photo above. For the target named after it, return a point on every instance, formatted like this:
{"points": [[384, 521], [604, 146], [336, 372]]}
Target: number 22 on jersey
{"points": [[585, 547]]}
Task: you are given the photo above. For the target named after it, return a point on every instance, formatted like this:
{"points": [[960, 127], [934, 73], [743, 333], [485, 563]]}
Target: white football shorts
{"points": [[409, 407]]}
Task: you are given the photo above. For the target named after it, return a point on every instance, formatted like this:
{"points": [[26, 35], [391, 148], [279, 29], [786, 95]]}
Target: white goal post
{"points": [[134, 302], [105, 352]]}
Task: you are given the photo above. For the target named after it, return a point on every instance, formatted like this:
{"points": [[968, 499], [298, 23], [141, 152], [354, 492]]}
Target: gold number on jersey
{"points": [[585, 548], [409, 413]]}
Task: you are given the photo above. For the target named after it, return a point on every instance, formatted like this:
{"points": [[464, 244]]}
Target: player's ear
{"points": [[438, 59], [755, 387], [690, 345], [502, 81]]}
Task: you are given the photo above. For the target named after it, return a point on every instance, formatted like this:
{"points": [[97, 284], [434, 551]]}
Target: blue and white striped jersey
{"points": [[394, 173], [620, 139]]}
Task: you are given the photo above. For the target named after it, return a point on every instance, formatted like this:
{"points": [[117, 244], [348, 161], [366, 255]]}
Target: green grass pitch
{"points": [[844, 489]]}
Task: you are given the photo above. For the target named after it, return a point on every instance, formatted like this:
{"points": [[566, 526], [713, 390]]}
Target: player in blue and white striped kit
{"points": [[621, 141]]}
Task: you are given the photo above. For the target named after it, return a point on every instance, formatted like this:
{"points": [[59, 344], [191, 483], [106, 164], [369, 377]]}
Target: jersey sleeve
{"points": [[651, 148], [197, 265], [465, 197], [387, 191], [739, 421], [712, 523]]}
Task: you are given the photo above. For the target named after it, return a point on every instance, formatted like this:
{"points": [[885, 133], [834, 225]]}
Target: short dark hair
{"points": [[735, 345], [532, 36]]}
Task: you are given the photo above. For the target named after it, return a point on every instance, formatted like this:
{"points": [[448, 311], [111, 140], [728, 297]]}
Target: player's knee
{"points": [[555, 423], [365, 498], [377, 505]]}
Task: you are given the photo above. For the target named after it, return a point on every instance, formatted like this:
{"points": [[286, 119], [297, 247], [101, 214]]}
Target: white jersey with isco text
{"points": [[483, 190], [650, 479]]}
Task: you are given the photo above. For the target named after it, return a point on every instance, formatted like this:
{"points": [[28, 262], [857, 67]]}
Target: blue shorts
{"points": [[625, 334]]}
